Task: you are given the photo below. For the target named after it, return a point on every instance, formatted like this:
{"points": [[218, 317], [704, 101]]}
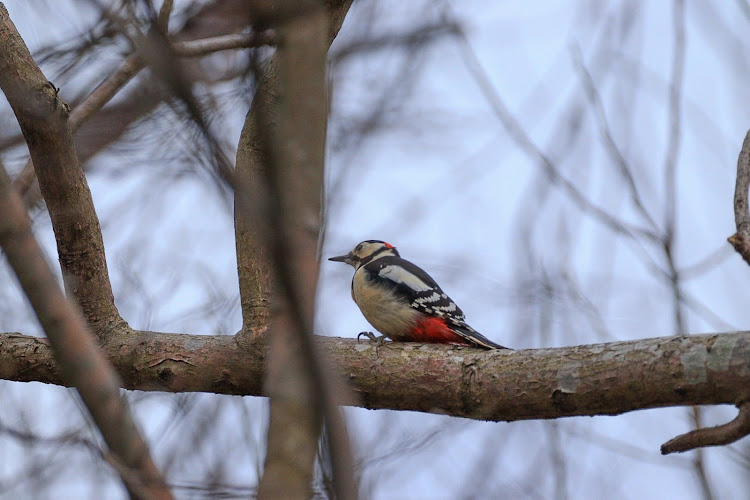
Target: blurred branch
{"points": [[251, 193], [598, 379], [203, 33], [609, 141], [44, 121], [294, 147], [741, 239], [132, 65], [286, 132], [207, 46], [418, 36], [712, 436], [675, 118], [83, 366], [524, 141], [164, 12]]}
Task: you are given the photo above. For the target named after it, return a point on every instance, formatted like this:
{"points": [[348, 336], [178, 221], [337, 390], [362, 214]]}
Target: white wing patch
{"points": [[400, 275], [428, 298]]}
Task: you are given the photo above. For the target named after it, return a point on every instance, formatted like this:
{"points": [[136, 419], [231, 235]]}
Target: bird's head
{"points": [[365, 252]]}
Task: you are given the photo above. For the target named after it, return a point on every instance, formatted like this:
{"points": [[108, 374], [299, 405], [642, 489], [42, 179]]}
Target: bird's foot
{"points": [[370, 336], [379, 340]]}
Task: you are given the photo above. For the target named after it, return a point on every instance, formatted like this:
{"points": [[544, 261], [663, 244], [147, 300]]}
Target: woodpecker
{"points": [[403, 302]]}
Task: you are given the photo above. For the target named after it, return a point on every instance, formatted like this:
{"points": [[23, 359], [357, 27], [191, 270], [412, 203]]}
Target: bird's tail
{"points": [[474, 337]]}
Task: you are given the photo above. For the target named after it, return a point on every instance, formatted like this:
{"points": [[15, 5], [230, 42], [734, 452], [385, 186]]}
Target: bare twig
{"points": [[105, 91], [206, 46], [675, 118], [519, 135], [741, 239], [129, 476], [609, 141], [712, 436], [670, 210], [130, 67]]}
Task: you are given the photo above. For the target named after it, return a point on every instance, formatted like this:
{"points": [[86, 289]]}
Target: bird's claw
{"points": [[369, 335], [374, 338]]}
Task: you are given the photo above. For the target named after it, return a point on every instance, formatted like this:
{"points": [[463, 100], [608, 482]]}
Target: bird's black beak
{"points": [[341, 258]]}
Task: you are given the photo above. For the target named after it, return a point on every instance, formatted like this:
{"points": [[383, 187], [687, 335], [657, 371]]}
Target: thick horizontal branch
{"points": [[599, 379]]}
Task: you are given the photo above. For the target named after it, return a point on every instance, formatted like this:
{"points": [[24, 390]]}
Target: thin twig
{"points": [[712, 436], [131, 66], [519, 135], [609, 141], [207, 46], [106, 90], [675, 118]]}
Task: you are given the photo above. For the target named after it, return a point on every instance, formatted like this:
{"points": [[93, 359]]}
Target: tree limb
{"points": [[251, 194], [83, 365], [597, 379], [44, 122], [741, 239], [298, 382]]}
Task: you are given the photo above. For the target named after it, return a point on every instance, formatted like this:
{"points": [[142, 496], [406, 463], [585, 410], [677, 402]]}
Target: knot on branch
{"points": [[741, 243]]}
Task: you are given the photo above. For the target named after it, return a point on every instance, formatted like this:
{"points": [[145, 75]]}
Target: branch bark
{"points": [[44, 122], [294, 147], [253, 265], [286, 132], [741, 239], [597, 379]]}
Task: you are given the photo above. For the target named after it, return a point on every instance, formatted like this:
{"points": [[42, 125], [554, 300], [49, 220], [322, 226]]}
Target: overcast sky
{"points": [[442, 176]]}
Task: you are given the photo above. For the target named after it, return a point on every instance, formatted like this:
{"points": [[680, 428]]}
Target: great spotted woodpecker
{"points": [[403, 302]]}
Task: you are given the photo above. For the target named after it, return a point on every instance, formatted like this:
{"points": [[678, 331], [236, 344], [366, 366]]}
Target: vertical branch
{"points": [[252, 262], [82, 363], [675, 115], [673, 149], [164, 12], [295, 176], [279, 182], [741, 239], [44, 122], [253, 266]]}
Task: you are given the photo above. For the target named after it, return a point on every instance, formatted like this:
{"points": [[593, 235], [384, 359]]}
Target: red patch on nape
{"points": [[436, 331], [387, 245]]}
